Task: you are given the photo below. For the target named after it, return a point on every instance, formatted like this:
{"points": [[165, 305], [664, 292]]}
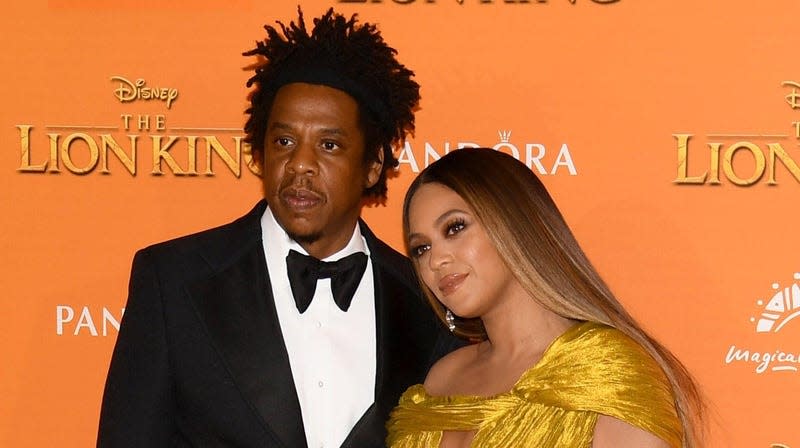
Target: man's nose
{"points": [[303, 159]]}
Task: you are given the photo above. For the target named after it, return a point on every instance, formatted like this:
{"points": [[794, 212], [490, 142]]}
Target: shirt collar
{"points": [[280, 240]]}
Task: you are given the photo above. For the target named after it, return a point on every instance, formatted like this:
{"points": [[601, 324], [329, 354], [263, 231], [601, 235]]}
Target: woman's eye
{"points": [[455, 227], [418, 251]]}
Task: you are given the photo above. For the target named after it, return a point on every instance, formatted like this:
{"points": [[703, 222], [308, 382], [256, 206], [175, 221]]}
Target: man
{"points": [[218, 347]]}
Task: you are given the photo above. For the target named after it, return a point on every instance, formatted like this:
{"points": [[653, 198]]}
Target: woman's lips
{"points": [[450, 283]]}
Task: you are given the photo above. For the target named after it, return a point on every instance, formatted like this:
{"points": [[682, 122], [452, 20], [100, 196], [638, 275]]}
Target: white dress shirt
{"points": [[332, 353]]}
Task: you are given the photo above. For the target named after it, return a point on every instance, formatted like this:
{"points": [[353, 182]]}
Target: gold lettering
{"points": [[192, 150], [144, 122], [683, 162], [461, 2], [162, 152], [126, 90], [54, 168], [775, 149], [793, 98], [25, 156], [248, 159], [161, 122], [172, 96], [714, 178], [233, 165], [133, 91], [94, 153], [727, 164], [82, 153], [129, 162]]}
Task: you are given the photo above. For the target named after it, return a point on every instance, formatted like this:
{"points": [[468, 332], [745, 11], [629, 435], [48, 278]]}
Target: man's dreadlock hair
{"points": [[346, 55]]}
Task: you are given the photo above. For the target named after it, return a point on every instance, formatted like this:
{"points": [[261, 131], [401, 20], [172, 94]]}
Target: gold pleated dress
{"points": [[589, 370]]}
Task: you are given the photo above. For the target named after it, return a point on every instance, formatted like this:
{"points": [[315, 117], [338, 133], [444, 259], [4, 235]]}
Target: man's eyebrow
{"points": [[333, 131], [281, 126]]}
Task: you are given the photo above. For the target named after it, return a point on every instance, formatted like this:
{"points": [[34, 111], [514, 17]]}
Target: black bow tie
{"points": [[345, 275]]}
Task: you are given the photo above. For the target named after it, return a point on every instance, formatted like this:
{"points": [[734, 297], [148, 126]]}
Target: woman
{"points": [[560, 363]]}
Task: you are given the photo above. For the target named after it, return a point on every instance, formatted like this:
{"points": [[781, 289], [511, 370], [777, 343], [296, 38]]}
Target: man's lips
{"points": [[450, 283], [300, 199]]}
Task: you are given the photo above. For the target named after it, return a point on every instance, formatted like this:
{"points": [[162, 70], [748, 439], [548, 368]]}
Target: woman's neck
{"points": [[520, 327]]}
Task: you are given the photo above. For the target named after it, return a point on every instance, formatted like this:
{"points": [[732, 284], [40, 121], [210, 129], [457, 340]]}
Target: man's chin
{"points": [[299, 227], [305, 238]]}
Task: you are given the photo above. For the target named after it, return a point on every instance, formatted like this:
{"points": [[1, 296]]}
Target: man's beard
{"points": [[309, 238]]}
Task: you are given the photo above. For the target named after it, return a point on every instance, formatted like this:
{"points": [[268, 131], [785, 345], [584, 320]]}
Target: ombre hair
{"points": [[533, 239]]}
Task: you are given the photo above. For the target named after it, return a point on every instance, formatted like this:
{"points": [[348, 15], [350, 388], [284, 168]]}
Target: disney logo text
{"points": [[792, 98], [131, 91]]}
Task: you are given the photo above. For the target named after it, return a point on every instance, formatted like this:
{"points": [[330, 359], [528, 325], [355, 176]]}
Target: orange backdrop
{"points": [[666, 130]]}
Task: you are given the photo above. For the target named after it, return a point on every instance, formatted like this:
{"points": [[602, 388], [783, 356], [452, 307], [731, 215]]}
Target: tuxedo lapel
{"points": [[403, 352], [238, 310]]}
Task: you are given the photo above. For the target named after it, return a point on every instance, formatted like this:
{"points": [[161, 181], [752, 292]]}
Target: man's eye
{"points": [[281, 143], [330, 146]]}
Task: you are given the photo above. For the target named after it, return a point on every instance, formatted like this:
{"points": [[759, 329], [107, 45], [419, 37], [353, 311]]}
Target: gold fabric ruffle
{"points": [[589, 370]]}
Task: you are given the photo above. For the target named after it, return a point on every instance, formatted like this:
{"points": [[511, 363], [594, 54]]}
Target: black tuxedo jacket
{"points": [[200, 359]]}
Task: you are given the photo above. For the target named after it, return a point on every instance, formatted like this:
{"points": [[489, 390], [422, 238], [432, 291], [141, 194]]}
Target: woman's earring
{"points": [[451, 320]]}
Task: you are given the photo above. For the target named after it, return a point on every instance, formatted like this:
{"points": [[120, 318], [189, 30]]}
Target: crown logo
{"points": [[781, 308], [504, 136]]}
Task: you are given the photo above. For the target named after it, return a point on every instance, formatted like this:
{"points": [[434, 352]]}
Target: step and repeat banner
{"points": [[667, 130]]}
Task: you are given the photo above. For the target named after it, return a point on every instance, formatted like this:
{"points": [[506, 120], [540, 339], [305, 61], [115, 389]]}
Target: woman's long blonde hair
{"points": [[534, 241]]}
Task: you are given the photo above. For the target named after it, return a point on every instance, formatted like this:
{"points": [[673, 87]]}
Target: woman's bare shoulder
{"points": [[610, 432], [446, 369]]}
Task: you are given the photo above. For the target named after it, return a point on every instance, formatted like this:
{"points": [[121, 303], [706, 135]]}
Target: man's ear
{"points": [[374, 170]]}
